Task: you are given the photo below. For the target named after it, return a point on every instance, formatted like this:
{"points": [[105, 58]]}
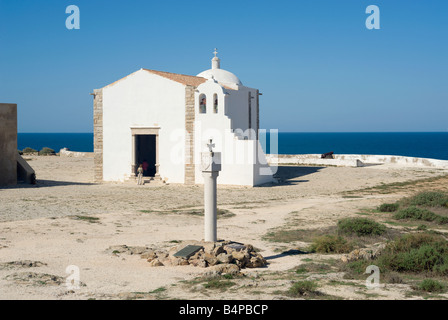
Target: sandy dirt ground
{"points": [[44, 229]]}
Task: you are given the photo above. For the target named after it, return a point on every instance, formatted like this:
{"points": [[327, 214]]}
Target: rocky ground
{"points": [[121, 237]]}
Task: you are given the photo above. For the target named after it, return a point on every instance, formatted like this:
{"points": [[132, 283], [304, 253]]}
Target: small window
{"points": [[202, 104], [215, 103]]}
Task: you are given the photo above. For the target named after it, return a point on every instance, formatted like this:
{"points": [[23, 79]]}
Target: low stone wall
{"points": [[355, 160], [399, 160], [311, 160], [67, 153]]}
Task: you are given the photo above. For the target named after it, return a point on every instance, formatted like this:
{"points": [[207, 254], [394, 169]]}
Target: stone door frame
{"points": [[139, 131]]}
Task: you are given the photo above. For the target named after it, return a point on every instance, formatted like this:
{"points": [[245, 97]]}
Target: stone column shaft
{"points": [[210, 202]]}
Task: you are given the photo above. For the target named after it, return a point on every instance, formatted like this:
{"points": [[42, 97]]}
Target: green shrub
{"points": [[416, 253], [360, 227], [430, 285], [219, 284], [416, 240], [442, 220], [429, 199], [301, 270], [424, 258], [392, 277], [416, 213], [28, 150], [388, 207], [443, 268], [302, 288], [358, 267], [313, 267], [46, 151], [330, 244]]}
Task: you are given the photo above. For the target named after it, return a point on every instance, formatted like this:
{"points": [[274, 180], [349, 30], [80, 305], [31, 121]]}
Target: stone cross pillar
{"points": [[210, 165]]}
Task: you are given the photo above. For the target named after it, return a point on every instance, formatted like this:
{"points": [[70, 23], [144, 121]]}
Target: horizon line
{"points": [[267, 131]]}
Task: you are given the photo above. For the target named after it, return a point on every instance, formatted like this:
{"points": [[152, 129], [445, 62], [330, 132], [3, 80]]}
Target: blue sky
{"points": [[319, 68]]}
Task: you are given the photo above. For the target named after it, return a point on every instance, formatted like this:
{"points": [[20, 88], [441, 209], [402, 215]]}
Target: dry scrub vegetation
{"points": [[405, 239]]}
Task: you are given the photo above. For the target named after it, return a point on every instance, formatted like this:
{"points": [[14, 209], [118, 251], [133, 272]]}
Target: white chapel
{"points": [[165, 120]]}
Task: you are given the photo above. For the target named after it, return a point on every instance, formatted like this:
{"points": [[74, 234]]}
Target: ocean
{"points": [[412, 144], [82, 142]]}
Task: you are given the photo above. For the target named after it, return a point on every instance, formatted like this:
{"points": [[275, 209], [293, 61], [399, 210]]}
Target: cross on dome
{"points": [[219, 75], [215, 61]]}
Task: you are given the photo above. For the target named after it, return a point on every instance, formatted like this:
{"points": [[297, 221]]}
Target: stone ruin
{"points": [[220, 256], [13, 168]]}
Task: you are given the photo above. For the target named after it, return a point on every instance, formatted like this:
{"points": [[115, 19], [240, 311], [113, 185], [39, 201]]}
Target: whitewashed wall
{"points": [[240, 165], [239, 108], [143, 100]]}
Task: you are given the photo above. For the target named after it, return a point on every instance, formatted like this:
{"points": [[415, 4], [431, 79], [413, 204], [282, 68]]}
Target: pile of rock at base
{"points": [[364, 253], [221, 256]]}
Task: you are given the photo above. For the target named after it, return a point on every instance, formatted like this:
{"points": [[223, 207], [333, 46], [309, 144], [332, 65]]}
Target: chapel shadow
{"points": [[289, 175], [46, 184], [291, 252], [56, 183]]}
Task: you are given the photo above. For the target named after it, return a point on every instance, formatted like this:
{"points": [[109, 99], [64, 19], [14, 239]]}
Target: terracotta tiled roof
{"points": [[181, 78]]}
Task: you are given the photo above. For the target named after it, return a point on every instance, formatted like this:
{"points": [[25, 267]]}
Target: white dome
{"points": [[221, 75]]}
